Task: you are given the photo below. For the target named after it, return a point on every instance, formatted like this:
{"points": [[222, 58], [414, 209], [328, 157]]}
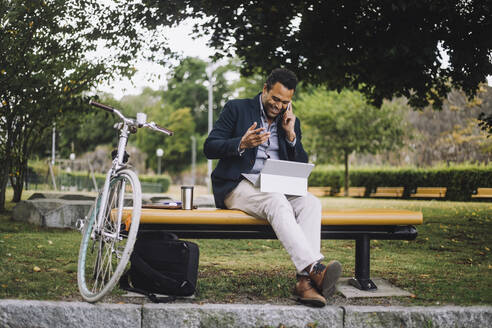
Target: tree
{"points": [[452, 134], [50, 54], [148, 98], [177, 149], [336, 124], [187, 86], [250, 86], [149, 141], [81, 132], [382, 48], [485, 122]]}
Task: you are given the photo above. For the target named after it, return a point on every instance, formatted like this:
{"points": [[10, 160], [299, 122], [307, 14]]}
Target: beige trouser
{"points": [[296, 220]]}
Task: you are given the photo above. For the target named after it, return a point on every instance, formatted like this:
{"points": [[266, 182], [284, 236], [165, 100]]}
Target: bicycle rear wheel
{"points": [[105, 251]]}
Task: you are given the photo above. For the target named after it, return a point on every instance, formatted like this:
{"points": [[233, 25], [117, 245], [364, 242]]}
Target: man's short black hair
{"points": [[286, 77]]}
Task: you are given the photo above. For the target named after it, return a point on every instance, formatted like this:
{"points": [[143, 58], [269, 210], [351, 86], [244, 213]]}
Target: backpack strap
{"points": [[126, 286]]}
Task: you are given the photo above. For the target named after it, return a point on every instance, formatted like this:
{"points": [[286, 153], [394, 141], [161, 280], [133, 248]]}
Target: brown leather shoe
{"points": [[325, 278], [307, 294]]}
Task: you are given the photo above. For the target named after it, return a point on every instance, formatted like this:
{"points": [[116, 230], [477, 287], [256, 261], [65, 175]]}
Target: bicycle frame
{"points": [[107, 242], [117, 165], [126, 127]]}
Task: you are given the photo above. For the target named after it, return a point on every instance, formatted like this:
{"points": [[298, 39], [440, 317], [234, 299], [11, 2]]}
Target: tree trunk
{"points": [[6, 161], [18, 185], [19, 165], [346, 156], [4, 178]]}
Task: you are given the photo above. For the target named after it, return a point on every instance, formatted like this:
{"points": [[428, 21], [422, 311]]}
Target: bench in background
{"points": [[352, 192], [388, 192], [360, 225], [483, 193], [320, 191], [429, 192]]}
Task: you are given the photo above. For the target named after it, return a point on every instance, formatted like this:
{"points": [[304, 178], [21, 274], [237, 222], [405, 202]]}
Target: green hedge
{"points": [[83, 181], [461, 182]]}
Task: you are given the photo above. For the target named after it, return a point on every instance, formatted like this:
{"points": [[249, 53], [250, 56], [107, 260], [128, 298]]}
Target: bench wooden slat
{"points": [[330, 217], [320, 191], [430, 192], [388, 192], [352, 192], [483, 193]]}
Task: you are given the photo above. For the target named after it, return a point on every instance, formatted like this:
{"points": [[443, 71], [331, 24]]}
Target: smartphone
{"points": [[284, 110]]}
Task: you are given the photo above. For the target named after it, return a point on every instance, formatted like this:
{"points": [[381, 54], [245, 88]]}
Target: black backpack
{"points": [[162, 264]]}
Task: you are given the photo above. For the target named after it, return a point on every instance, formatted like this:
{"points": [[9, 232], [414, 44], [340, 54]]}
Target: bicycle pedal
{"points": [[80, 224]]}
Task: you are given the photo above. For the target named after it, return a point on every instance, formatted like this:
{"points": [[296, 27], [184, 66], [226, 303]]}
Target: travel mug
{"points": [[187, 197]]}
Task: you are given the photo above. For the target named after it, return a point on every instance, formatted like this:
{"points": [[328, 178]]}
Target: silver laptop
{"points": [[286, 177]]}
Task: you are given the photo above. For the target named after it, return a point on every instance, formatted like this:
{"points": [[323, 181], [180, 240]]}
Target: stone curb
{"points": [[239, 315], [23, 314], [417, 316], [20, 313]]}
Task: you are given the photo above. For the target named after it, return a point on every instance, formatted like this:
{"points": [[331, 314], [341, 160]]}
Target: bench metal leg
{"points": [[362, 265]]}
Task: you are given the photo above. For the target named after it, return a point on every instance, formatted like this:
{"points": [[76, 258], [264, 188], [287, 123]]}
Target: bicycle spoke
{"points": [[105, 264], [97, 266], [96, 280], [104, 259], [107, 245]]}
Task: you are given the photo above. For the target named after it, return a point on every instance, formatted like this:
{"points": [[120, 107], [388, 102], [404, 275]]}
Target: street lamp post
{"points": [[159, 152], [193, 160], [73, 181], [72, 158], [210, 71], [53, 140]]}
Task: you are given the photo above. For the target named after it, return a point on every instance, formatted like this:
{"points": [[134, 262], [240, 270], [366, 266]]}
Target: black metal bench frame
{"points": [[362, 234]]}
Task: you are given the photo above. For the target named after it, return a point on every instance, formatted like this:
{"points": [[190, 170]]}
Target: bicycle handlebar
{"points": [[156, 127], [102, 106], [150, 125]]}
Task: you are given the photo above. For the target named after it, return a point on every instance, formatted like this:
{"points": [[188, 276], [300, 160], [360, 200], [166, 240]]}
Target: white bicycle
{"points": [[109, 233]]}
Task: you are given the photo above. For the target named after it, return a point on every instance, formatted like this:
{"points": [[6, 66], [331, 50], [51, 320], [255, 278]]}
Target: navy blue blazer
{"points": [[223, 141]]}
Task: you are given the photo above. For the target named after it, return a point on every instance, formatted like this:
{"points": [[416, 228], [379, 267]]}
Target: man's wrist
{"points": [[239, 149], [291, 143], [291, 136]]}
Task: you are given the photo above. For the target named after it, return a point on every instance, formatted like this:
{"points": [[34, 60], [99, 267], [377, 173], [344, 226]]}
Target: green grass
{"points": [[449, 263]]}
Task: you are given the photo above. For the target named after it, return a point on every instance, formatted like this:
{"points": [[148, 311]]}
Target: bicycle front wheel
{"points": [[107, 244]]}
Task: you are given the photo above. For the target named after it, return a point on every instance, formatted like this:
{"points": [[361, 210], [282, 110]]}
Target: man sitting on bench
{"points": [[246, 134]]}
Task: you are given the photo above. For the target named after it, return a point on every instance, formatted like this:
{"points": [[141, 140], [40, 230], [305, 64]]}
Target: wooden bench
{"points": [[320, 191], [360, 225], [482, 193], [388, 192], [429, 192], [352, 192]]}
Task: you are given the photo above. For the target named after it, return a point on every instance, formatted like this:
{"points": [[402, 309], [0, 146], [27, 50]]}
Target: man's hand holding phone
{"points": [[253, 137], [288, 121]]}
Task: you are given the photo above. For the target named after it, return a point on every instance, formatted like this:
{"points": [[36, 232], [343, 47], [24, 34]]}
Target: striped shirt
{"points": [[268, 149]]}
